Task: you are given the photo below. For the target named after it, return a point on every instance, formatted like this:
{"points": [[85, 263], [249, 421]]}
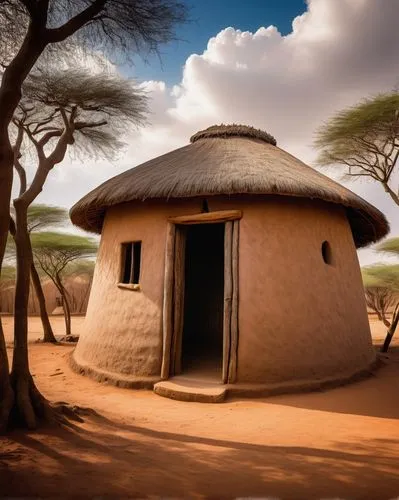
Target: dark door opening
{"points": [[202, 347]]}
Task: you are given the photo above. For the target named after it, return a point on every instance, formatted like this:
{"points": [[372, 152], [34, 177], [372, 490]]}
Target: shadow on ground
{"points": [[102, 457]]}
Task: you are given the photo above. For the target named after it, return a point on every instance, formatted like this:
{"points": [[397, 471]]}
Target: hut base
{"points": [[117, 379], [190, 388], [184, 388]]}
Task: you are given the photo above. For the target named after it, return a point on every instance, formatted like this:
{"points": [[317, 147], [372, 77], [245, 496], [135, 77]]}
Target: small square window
{"points": [[131, 262]]}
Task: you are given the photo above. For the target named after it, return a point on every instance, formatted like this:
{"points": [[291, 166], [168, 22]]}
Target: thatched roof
{"points": [[227, 160]]}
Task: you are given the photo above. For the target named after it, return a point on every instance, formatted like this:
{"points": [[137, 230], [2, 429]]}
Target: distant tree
{"points": [[57, 254], [40, 217], [29, 29], [381, 285], [364, 140]]}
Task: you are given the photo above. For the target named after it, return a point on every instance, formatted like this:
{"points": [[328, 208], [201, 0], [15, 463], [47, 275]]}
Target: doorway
{"points": [[202, 335], [200, 302]]}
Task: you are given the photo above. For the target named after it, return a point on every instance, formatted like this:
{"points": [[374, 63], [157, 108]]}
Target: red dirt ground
{"points": [[342, 443]]}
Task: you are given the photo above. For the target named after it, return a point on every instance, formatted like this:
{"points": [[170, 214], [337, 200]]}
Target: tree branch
{"points": [[56, 35]]}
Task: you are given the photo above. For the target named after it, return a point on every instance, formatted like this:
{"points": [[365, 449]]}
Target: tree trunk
{"points": [[391, 330], [10, 95], [48, 334], [391, 192], [381, 316], [6, 392], [67, 311], [29, 403], [6, 174]]}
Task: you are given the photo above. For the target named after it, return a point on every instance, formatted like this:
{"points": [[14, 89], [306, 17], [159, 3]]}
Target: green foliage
{"points": [[42, 217], [51, 241], [100, 106], [381, 276], [371, 117], [364, 138], [389, 246], [56, 252]]}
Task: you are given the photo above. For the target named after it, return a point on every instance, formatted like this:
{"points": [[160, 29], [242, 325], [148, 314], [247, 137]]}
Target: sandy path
{"points": [[340, 443], [35, 328]]}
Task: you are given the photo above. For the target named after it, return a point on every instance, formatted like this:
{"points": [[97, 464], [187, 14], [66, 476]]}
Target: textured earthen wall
{"points": [[122, 332], [299, 318]]}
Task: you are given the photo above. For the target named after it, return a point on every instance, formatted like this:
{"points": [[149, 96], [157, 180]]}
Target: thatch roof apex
{"points": [[224, 131]]}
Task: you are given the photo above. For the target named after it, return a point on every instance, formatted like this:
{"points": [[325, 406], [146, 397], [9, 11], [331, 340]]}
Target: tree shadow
{"points": [[103, 457]]}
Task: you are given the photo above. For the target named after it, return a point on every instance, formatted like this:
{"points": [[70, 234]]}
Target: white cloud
{"points": [[337, 53]]}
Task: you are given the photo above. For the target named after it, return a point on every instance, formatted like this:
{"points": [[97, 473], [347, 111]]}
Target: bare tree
{"points": [[28, 28], [55, 253], [60, 109], [364, 140]]}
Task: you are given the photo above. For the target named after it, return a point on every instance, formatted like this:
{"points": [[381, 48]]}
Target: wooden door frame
{"points": [[173, 299]]}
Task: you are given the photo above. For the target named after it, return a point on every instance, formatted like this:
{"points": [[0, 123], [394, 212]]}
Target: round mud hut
{"points": [[226, 265]]}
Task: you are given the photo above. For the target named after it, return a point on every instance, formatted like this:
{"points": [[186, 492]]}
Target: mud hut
{"points": [[226, 265]]}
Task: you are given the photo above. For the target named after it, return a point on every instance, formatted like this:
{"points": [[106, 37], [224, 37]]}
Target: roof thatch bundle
{"points": [[225, 131], [227, 160]]}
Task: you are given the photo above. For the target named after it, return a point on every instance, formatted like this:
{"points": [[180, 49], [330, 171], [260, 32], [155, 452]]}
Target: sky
{"points": [[207, 18], [282, 66]]}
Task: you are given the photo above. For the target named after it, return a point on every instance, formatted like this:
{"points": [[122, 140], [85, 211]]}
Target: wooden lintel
{"points": [[208, 217]]}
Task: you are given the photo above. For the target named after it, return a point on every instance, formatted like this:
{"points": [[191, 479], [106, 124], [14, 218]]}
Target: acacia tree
{"points": [[364, 140], [60, 109], [55, 253], [28, 28], [39, 218], [381, 285]]}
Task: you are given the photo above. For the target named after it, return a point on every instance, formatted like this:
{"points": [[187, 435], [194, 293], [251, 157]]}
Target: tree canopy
{"points": [[381, 276], [117, 27], [91, 111], [64, 243], [41, 217], [364, 140], [390, 246]]}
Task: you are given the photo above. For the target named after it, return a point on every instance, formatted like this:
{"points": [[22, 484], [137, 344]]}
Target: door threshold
{"points": [[184, 388]]}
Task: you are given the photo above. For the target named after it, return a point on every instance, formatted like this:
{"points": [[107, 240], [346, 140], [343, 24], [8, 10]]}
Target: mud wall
{"points": [[299, 318]]}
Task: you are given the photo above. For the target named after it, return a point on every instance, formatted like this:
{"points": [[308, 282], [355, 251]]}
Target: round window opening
{"points": [[326, 252]]}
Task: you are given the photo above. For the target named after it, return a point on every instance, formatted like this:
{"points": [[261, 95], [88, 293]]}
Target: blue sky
{"points": [[208, 18]]}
